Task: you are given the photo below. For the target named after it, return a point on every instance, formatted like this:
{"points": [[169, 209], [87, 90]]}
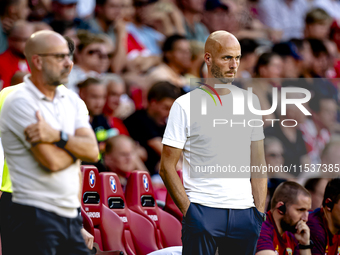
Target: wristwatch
{"points": [[63, 140], [305, 247]]}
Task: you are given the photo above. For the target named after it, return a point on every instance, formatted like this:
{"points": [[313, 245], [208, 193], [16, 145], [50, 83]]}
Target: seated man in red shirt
{"points": [[285, 231], [324, 223], [13, 59]]}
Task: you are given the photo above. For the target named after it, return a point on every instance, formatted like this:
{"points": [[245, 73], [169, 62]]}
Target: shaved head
{"points": [[222, 56], [43, 42], [49, 57], [218, 40]]}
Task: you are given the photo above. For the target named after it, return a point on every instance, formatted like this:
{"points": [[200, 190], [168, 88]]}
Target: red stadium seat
{"points": [[108, 228], [140, 198], [139, 231], [170, 205]]}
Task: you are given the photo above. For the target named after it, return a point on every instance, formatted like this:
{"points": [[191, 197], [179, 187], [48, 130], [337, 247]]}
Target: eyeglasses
{"points": [[58, 56], [100, 54]]}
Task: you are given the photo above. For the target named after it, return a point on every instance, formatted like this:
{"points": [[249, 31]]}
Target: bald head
{"points": [[43, 42], [49, 57], [222, 56], [219, 40], [21, 27]]}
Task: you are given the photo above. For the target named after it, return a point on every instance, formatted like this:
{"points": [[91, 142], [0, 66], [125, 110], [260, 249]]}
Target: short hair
{"points": [[315, 103], [89, 81], [311, 184], [112, 141], [248, 46], [100, 2], [169, 43], [70, 44], [112, 77], [318, 47], [299, 43], [264, 60], [4, 4], [288, 192], [332, 191], [86, 38], [163, 89], [317, 15]]}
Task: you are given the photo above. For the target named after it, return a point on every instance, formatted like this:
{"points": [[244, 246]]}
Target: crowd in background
{"points": [[133, 58]]}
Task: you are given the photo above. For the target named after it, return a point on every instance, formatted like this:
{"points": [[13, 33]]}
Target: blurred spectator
{"points": [[118, 103], [13, 59], [66, 28], [151, 122], [331, 157], [10, 11], [320, 60], [290, 58], [316, 187], [121, 157], [217, 16], [318, 24], [192, 11], [285, 18], [197, 61], [66, 10], [93, 92], [316, 131], [304, 50], [176, 62], [295, 152], [268, 70], [332, 7], [248, 57], [109, 20], [90, 59], [128, 10], [39, 9], [274, 154], [145, 36]]}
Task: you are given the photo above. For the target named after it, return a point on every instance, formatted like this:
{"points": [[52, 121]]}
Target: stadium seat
{"points": [[108, 228], [170, 205], [140, 198], [139, 231]]}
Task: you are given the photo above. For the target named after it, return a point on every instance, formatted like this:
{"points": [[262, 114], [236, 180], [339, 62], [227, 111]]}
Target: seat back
{"points": [[170, 205], [139, 231], [107, 226], [140, 198]]}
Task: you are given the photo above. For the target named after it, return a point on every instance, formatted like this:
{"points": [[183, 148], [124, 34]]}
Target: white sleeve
{"points": [[16, 115], [176, 131], [257, 132]]}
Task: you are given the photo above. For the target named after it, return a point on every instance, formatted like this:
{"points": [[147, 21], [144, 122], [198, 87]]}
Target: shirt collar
{"points": [[59, 93]]}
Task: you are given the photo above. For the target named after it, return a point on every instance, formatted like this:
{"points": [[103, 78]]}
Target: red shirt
{"points": [[270, 239], [324, 242], [9, 65]]}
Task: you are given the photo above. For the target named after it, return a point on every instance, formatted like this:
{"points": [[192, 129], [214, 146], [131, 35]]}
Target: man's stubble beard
{"points": [[216, 72]]}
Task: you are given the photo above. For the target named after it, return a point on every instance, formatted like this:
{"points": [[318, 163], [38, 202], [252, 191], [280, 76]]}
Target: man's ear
{"points": [[37, 62], [281, 207], [207, 58]]}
